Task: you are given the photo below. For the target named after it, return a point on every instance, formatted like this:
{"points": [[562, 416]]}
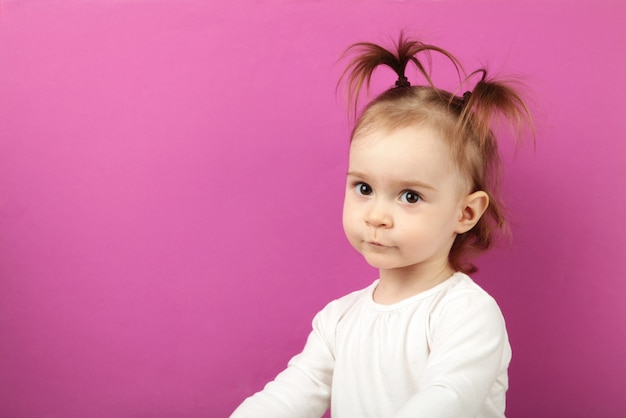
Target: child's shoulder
{"points": [[464, 297], [343, 304], [462, 285]]}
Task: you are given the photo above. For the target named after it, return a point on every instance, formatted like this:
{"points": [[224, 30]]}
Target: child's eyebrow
{"points": [[400, 183]]}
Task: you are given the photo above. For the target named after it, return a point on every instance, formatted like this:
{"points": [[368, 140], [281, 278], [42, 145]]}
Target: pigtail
{"points": [[368, 56], [489, 103]]}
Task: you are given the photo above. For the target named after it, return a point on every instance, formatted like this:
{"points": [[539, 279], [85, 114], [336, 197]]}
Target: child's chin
{"points": [[376, 262]]}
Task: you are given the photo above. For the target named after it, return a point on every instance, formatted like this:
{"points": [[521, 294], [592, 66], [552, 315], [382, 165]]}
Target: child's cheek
{"points": [[351, 221]]}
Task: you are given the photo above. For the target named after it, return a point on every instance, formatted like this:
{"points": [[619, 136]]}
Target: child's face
{"points": [[404, 199]]}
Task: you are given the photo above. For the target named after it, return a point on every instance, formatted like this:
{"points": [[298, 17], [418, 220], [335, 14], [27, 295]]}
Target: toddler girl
{"points": [[423, 340]]}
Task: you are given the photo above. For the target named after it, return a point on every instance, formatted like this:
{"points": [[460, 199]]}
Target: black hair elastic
{"points": [[466, 97], [403, 82]]}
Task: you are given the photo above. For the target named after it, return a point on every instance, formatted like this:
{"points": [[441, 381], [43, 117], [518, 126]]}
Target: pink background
{"points": [[171, 179]]}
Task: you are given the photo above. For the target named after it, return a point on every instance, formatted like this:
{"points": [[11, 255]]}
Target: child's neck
{"points": [[396, 285]]}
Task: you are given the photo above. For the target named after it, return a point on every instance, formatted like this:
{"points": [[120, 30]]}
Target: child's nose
{"points": [[379, 216]]}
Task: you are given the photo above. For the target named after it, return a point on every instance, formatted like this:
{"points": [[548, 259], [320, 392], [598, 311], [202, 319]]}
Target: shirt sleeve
{"points": [[302, 390], [469, 346]]}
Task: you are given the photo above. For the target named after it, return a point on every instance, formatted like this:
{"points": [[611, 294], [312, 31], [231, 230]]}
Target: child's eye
{"points": [[409, 196], [363, 188]]}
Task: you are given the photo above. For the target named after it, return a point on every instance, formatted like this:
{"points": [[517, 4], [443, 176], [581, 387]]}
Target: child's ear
{"points": [[473, 208]]}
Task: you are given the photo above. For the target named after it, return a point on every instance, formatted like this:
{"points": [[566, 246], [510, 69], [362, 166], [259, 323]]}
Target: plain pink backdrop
{"points": [[171, 179]]}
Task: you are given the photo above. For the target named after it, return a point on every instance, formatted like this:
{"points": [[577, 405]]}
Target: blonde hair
{"points": [[465, 121]]}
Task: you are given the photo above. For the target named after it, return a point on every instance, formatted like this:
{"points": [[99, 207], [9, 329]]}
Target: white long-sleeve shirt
{"points": [[443, 353]]}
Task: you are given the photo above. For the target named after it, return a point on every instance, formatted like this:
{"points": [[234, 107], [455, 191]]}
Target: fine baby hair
{"points": [[423, 340], [465, 121]]}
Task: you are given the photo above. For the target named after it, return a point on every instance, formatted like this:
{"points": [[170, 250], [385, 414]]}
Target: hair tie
{"points": [[403, 82], [466, 97]]}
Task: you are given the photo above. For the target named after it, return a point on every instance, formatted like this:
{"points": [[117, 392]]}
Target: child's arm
{"points": [[468, 359], [301, 390]]}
